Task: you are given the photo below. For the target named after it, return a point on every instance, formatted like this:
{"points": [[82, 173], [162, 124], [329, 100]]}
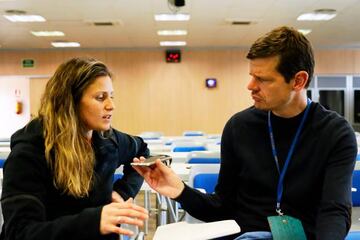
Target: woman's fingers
{"points": [[128, 220], [116, 213], [131, 213]]}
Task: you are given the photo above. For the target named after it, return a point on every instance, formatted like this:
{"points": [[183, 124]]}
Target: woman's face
{"points": [[96, 105]]}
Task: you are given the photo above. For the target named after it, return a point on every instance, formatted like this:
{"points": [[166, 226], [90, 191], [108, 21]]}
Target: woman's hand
{"points": [[114, 214], [115, 197], [161, 178]]}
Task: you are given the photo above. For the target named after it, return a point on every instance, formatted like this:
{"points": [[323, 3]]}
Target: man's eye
{"points": [[259, 79]]}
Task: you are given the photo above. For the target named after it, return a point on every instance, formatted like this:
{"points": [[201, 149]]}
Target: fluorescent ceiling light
{"points": [[25, 18], [305, 31], [65, 44], [172, 43], [171, 32], [172, 17], [47, 33], [316, 16]]}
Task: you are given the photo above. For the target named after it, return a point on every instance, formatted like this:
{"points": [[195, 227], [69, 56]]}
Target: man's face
{"points": [[268, 87]]}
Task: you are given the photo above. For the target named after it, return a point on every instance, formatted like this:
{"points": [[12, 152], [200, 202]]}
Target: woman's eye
{"points": [[100, 98]]}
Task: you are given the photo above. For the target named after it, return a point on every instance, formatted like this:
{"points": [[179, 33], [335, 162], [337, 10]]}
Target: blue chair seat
{"points": [[117, 176], [189, 149], [353, 235], [356, 185], [206, 181], [2, 162], [204, 160]]}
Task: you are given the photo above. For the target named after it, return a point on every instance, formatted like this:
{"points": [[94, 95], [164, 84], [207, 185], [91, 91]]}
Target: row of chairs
{"points": [[158, 135]]}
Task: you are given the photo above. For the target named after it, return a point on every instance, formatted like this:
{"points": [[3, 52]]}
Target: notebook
{"points": [[196, 231]]}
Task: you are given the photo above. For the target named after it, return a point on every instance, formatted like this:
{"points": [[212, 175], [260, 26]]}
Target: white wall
{"points": [[9, 120]]}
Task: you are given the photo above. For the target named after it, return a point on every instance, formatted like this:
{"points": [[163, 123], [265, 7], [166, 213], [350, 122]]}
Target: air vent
{"points": [[15, 12], [240, 23], [103, 24]]}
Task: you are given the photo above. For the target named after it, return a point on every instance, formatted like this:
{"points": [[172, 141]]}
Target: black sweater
{"points": [[317, 184], [34, 209]]}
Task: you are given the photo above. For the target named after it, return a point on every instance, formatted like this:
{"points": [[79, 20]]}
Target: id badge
{"points": [[286, 228]]}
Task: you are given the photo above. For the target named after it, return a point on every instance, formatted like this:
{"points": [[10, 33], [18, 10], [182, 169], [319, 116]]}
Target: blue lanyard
{"points": [[291, 151]]}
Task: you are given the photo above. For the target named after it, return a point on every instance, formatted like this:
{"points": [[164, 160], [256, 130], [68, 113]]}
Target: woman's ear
{"points": [[300, 80]]}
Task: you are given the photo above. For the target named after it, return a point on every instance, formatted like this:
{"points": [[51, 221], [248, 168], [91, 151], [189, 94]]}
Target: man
{"points": [[284, 157]]}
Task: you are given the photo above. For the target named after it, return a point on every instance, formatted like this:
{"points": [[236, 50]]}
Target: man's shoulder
{"points": [[328, 118], [250, 114]]}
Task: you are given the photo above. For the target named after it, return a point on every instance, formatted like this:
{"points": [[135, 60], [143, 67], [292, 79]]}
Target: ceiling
{"points": [[207, 28]]}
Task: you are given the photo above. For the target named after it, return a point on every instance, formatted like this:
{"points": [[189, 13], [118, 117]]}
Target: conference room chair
{"points": [[203, 157], [151, 135], [2, 162], [356, 188], [193, 133], [353, 235], [204, 178], [187, 146], [117, 176], [355, 217]]}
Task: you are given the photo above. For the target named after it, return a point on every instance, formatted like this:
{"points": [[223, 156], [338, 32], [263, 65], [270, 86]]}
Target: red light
{"points": [[173, 56]]}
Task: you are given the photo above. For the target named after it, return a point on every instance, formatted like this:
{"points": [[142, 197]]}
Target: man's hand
{"points": [[161, 178]]}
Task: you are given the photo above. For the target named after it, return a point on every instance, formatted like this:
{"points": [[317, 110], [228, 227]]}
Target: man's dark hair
{"points": [[294, 51]]}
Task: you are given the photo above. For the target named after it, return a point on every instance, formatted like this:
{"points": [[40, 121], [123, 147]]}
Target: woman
{"points": [[58, 178]]}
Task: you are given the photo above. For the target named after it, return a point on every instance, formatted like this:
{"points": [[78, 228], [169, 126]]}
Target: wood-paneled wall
{"points": [[151, 95]]}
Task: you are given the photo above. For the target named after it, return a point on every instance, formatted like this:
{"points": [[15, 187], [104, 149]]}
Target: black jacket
{"points": [[34, 209]]}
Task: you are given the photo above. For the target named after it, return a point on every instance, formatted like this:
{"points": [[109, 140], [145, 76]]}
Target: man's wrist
{"points": [[180, 188]]}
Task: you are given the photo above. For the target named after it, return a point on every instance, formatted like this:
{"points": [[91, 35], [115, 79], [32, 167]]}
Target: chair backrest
{"points": [[193, 133], [117, 176], [151, 135], [2, 162], [197, 169], [203, 176], [353, 235], [206, 157], [356, 187], [189, 149], [189, 146], [206, 181]]}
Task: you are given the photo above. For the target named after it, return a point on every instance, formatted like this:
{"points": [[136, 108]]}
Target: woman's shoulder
{"points": [[32, 134]]}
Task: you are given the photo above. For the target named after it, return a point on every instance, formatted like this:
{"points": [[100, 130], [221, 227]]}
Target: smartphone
{"points": [[166, 159]]}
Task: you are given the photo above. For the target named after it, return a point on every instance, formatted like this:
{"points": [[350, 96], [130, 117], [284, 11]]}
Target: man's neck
{"points": [[293, 108]]}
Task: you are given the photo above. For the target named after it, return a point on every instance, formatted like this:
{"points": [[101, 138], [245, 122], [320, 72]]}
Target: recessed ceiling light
{"points": [[25, 18], [171, 32], [305, 31], [172, 17], [65, 44], [172, 43], [47, 33], [318, 15]]}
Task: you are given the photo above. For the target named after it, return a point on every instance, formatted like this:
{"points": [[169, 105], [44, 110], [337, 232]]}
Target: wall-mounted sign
{"points": [[28, 63]]}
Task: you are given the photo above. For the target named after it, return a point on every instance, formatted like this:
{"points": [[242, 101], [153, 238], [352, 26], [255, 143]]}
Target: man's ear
{"points": [[300, 80]]}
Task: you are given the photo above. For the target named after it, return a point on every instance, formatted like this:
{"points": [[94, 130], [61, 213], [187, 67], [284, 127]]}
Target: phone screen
{"points": [[151, 160]]}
